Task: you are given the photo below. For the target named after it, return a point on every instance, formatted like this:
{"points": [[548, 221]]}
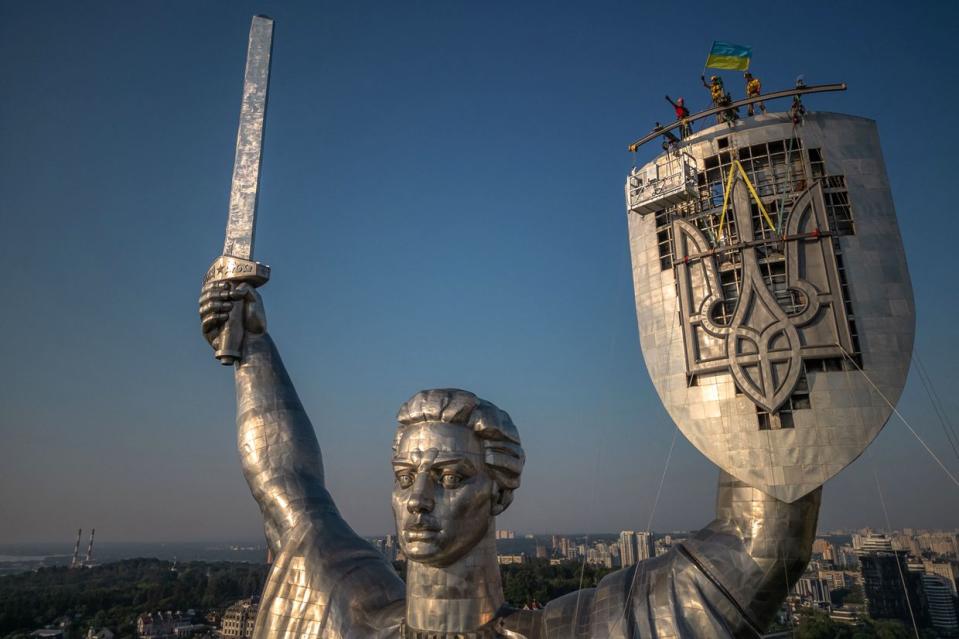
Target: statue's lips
{"points": [[420, 532]]}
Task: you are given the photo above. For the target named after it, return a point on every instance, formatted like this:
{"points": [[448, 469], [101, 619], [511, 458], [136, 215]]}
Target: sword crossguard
{"points": [[228, 268]]}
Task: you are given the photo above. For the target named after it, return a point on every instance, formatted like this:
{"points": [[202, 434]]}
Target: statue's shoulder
{"points": [[339, 579]]}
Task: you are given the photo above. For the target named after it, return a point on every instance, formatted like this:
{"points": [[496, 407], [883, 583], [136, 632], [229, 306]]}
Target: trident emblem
{"points": [[758, 307]]}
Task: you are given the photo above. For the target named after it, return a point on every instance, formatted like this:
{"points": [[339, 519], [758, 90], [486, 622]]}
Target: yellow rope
{"points": [[759, 203], [736, 166], [726, 192]]}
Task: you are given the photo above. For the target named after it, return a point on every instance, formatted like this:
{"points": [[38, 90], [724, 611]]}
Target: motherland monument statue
{"points": [[458, 459]]}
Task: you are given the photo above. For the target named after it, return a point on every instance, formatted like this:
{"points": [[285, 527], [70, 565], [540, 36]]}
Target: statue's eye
{"points": [[451, 480], [405, 480]]}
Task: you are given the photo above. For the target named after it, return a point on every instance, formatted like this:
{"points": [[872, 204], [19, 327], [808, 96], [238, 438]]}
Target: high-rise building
{"points": [[941, 604], [946, 569], [813, 588], [876, 543], [892, 592], [644, 546], [390, 547], [627, 547]]}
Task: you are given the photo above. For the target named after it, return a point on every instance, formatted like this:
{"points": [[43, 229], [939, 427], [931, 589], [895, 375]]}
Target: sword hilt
{"points": [[235, 270]]}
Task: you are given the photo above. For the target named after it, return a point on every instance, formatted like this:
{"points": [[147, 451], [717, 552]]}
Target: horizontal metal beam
{"points": [[819, 88]]}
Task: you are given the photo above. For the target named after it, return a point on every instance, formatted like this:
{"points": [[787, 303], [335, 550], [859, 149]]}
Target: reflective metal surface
{"points": [[236, 264], [752, 337], [241, 224], [457, 461]]}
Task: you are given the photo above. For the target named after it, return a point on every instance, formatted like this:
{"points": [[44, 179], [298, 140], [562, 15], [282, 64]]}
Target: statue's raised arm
{"points": [[325, 577]]}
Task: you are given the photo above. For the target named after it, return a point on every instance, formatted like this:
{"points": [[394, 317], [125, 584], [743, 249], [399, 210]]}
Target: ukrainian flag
{"points": [[729, 56]]}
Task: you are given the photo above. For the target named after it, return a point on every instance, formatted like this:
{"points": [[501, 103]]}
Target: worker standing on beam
{"points": [[682, 114], [720, 98], [716, 90], [753, 90]]}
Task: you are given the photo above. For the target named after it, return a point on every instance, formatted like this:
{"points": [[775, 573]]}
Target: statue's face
{"points": [[442, 492]]}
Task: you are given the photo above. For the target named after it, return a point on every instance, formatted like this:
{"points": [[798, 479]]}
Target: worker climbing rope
{"points": [[797, 110], [682, 115], [753, 90]]}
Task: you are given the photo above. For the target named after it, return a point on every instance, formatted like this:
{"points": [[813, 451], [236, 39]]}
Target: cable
{"points": [[599, 448], [899, 415], [902, 577], [944, 420], [676, 318]]}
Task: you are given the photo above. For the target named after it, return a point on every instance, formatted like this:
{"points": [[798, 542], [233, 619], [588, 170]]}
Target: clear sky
{"points": [[442, 205]]}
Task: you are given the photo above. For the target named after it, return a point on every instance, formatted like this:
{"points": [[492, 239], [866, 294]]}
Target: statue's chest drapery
{"points": [[310, 595]]}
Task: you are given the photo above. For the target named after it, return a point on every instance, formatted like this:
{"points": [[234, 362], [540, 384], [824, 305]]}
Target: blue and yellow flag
{"points": [[725, 55]]}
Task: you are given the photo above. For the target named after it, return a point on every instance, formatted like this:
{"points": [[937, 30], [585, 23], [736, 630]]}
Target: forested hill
{"points": [[114, 594]]}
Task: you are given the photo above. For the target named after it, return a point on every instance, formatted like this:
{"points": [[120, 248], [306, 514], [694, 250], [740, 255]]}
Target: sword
{"points": [[236, 264]]}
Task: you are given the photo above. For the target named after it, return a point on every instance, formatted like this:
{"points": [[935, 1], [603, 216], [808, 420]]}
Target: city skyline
{"points": [[113, 197]]}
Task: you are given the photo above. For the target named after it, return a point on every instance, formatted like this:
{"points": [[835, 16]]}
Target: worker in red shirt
{"points": [[682, 114]]}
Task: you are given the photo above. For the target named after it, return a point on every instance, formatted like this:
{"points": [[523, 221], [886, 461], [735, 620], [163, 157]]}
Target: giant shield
{"points": [[775, 310]]}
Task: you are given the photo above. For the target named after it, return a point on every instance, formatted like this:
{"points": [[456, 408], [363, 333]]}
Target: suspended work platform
{"points": [[661, 185]]}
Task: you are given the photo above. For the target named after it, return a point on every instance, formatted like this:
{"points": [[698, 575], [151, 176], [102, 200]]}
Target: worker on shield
{"points": [[682, 114], [753, 90]]}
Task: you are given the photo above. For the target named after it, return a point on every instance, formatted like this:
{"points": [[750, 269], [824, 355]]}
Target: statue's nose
{"points": [[421, 497]]}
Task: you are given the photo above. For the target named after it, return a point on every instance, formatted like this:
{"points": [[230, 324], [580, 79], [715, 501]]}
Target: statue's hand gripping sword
{"points": [[236, 265]]}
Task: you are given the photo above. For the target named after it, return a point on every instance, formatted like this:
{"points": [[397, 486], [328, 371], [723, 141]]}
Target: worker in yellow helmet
{"points": [[716, 90], [753, 89], [719, 96]]}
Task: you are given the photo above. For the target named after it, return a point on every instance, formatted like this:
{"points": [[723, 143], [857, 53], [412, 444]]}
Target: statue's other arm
{"points": [[756, 549]]}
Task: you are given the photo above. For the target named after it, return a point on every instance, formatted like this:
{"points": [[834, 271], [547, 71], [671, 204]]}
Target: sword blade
{"points": [[241, 223]]}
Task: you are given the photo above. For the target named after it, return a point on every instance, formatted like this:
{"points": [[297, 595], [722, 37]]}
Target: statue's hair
{"points": [[504, 454]]}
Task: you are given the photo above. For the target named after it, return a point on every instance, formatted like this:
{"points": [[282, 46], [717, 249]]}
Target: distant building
{"points": [[390, 547], [946, 569], [505, 534], [627, 547], [941, 604], [875, 543], [238, 620], [892, 592], [940, 543], [813, 588], [163, 625], [850, 614], [521, 558], [541, 552], [644, 546]]}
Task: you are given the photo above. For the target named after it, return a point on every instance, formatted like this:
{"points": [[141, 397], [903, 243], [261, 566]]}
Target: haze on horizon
{"points": [[442, 205]]}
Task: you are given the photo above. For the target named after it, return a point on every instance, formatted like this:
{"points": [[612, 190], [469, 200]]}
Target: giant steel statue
{"points": [[458, 459]]}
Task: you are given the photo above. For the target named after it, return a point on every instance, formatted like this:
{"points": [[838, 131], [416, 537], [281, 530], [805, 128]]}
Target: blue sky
{"points": [[442, 205]]}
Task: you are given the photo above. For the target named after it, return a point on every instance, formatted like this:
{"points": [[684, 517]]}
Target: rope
{"points": [[902, 577], [759, 202], [789, 166], [662, 480], [726, 192], [900, 416], [599, 448], [649, 526]]}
